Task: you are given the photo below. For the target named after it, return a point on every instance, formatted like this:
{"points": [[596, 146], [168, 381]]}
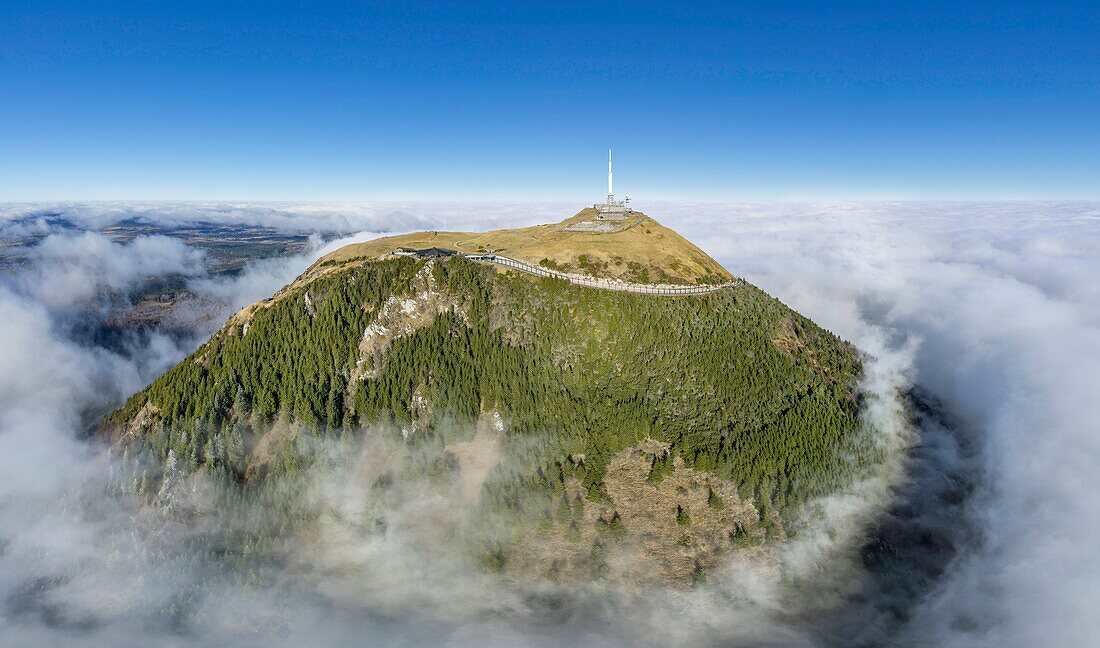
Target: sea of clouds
{"points": [[1003, 302], [323, 218], [990, 311]]}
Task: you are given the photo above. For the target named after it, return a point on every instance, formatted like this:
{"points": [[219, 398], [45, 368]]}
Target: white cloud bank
{"points": [[993, 308], [1004, 301], [326, 218]]}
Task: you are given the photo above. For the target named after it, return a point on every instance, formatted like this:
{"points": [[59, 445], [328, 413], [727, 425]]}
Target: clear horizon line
{"points": [[527, 201]]}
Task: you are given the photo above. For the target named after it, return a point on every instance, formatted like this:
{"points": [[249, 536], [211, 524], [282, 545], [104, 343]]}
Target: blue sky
{"points": [[383, 101]]}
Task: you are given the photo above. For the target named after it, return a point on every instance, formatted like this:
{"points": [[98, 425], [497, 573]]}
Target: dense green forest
{"points": [[736, 382]]}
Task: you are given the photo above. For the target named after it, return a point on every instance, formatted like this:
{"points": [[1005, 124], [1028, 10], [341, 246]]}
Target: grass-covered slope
{"points": [[734, 383], [639, 249]]}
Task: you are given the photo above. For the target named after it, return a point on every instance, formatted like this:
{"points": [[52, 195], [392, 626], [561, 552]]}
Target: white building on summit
{"points": [[612, 210]]}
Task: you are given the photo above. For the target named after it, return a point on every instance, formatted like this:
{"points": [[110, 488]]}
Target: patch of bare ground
{"points": [[787, 340], [476, 458], [142, 422], [791, 343], [676, 529], [268, 446]]}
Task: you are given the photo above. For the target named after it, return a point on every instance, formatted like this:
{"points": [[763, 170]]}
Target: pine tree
{"points": [[235, 451]]}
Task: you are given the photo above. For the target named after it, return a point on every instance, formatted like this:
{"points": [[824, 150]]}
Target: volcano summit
{"points": [[585, 430]]}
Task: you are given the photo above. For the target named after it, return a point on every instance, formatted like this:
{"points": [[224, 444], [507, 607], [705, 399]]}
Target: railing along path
{"points": [[603, 284]]}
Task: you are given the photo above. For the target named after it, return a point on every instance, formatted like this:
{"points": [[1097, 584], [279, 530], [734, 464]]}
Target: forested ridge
{"points": [[738, 384]]}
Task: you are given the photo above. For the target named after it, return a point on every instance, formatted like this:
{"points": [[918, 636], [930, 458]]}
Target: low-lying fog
{"points": [[987, 315]]}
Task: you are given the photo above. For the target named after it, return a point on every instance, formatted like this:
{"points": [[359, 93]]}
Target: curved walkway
{"points": [[603, 284]]}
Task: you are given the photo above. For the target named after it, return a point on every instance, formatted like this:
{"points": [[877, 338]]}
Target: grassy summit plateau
{"points": [[586, 427], [640, 249]]}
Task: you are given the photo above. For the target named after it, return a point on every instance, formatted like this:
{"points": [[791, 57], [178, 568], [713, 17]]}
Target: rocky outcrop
{"points": [[398, 317]]}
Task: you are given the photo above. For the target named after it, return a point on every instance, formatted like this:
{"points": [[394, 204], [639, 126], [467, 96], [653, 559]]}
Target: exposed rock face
{"points": [[422, 414], [400, 316], [144, 421]]}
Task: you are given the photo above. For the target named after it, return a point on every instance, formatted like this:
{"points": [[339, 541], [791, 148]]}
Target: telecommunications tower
{"points": [[612, 210]]}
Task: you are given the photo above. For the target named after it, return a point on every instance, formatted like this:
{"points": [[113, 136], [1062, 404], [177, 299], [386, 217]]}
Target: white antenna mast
{"points": [[610, 193], [612, 210]]}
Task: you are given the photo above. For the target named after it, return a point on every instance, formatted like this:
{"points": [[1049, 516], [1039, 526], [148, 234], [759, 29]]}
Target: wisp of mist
{"points": [[981, 322]]}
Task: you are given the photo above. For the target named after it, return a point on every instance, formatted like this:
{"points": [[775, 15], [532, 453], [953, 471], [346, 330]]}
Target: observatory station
{"points": [[612, 210]]}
